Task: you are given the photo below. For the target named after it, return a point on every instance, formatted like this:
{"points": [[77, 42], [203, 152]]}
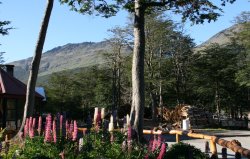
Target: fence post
{"points": [[207, 149], [236, 143], [237, 155], [177, 138], [213, 149], [224, 153]]}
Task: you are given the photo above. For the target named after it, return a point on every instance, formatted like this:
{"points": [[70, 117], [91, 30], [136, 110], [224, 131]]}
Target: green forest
{"points": [[215, 77]]}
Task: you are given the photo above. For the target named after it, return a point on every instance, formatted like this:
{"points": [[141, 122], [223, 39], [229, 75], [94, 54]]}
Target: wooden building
{"points": [[12, 98]]}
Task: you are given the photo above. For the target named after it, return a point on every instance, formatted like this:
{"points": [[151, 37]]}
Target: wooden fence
{"points": [[232, 145]]}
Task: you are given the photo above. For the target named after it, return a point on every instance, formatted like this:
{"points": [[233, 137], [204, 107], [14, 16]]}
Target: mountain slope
{"points": [[67, 57], [222, 37], [74, 56]]}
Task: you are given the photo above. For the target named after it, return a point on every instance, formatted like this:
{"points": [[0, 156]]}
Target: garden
{"points": [[59, 138]]}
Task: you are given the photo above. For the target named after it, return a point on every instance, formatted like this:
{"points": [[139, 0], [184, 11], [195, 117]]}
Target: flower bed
{"points": [[66, 142]]}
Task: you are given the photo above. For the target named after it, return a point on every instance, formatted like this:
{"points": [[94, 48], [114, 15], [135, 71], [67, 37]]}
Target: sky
{"points": [[70, 27]]}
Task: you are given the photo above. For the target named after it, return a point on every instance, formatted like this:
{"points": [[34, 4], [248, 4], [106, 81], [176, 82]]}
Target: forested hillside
{"points": [[215, 76]]}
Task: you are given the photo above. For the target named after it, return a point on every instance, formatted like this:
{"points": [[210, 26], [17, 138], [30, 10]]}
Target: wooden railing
{"points": [[232, 145], [213, 140]]}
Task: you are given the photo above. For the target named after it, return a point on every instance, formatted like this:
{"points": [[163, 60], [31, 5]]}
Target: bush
{"points": [[184, 151]]}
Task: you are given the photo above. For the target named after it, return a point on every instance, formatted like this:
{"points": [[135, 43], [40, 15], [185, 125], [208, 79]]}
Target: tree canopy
{"points": [[196, 11]]}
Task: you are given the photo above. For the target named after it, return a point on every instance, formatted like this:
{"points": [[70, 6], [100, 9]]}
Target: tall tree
{"points": [[196, 10], [243, 38], [30, 93], [214, 73], [157, 30], [120, 44]]}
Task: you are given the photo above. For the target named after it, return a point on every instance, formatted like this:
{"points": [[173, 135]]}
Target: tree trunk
{"points": [[160, 86], [114, 90], [153, 105], [138, 98], [30, 93]]}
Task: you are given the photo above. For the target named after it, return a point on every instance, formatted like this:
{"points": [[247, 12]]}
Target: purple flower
{"points": [[61, 123], [67, 128], [34, 123], [54, 130], [154, 145], [26, 127], [71, 129], [30, 128], [39, 125], [75, 131], [129, 133], [159, 141], [48, 128], [162, 152], [98, 118]]}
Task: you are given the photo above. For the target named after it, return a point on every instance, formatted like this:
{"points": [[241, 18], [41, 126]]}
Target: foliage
{"points": [[185, 77], [100, 7], [183, 150], [4, 31], [93, 143], [79, 91], [243, 74], [213, 74]]}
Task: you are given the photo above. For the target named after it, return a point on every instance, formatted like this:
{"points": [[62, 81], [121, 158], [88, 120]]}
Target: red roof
{"points": [[12, 87]]}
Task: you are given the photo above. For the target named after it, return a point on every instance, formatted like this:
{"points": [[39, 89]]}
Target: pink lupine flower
{"points": [[34, 123], [99, 117], [26, 128], [71, 129], [30, 126], [48, 129], [159, 141], [39, 125], [61, 124], [54, 130], [75, 131], [162, 152], [129, 132], [154, 145], [32, 132], [150, 145], [67, 128]]}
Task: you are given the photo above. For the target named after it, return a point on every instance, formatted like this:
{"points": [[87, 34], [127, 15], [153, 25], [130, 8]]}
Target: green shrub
{"points": [[184, 151]]}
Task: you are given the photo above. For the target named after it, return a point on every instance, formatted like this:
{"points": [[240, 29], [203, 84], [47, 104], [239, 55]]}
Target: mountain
{"points": [[221, 37], [67, 57], [75, 56]]}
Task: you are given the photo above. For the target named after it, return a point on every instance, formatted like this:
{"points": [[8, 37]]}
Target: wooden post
{"points": [[177, 138], [237, 155], [224, 153], [207, 149], [236, 143], [213, 148]]}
